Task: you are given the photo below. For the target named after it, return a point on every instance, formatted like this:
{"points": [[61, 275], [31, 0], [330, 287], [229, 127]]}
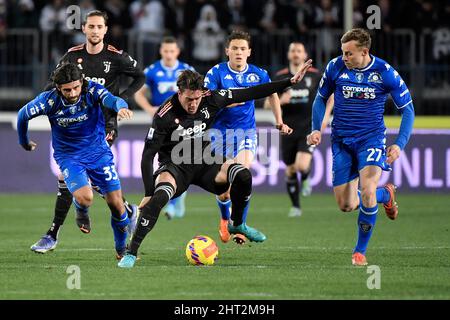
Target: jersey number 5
{"points": [[110, 172]]}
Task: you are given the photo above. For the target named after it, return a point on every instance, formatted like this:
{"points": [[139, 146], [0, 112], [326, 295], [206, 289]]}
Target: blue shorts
{"points": [[101, 173], [350, 157], [231, 145]]}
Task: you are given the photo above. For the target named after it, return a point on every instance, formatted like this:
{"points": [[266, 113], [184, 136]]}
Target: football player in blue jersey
{"points": [[74, 110], [360, 83], [104, 64], [237, 126], [161, 81]]}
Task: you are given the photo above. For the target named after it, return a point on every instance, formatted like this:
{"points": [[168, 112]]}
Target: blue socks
{"points": [[120, 230], [225, 208], [366, 222], [367, 218], [383, 196]]}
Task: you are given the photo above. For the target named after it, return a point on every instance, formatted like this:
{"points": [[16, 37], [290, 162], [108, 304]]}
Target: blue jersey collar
{"points": [[237, 72], [369, 66], [169, 68], [68, 105]]}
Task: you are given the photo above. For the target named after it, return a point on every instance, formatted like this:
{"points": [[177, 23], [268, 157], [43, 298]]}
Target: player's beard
{"points": [[95, 42], [72, 100]]}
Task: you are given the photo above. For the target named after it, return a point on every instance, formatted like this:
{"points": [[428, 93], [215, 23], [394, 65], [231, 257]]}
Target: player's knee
{"points": [[302, 168], [290, 170], [347, 206], [85, 199]]}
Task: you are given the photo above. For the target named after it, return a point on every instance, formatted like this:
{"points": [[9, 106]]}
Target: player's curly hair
{"points": [[190, 80], [66, 73], [361, 36]]}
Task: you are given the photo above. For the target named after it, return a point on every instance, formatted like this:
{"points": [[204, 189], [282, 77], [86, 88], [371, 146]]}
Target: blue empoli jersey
{"points": [[78, 130], [221, 76], [162, 80], [360, 95]]}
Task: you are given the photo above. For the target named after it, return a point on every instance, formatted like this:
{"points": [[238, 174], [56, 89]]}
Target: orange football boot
{"points": [[225, 235], [358, 259], [391, 208]]}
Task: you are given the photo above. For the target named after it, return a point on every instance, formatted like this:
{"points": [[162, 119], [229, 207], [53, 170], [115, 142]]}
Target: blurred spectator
{"points": [[236, 14], [53, 22], [53, 17], [327, 19], [428, 16], [3, 16], [208, 38], [252, 11], [445, 18], [176, 17], [267, 21], [22, 14], [148, 17], [358, 14], [301, 16], [326, 15], [3, 13], [387, 16], [119, 20]]}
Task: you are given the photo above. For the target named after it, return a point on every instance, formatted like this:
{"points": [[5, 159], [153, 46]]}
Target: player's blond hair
{"points": [[361, 36]]}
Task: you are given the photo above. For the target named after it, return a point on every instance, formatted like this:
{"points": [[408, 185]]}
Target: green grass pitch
{"points": [[303, 258]]}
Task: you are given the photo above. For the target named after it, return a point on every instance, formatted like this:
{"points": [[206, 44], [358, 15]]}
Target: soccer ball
{"points": [[202, 250]]}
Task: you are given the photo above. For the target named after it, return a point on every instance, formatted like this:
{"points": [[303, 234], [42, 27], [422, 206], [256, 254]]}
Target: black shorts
{"points": [[202, 175], [291, 145]]}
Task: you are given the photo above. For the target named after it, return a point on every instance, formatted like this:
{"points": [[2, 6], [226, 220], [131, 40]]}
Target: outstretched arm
{"points": [[241, 95], [112, 102]]}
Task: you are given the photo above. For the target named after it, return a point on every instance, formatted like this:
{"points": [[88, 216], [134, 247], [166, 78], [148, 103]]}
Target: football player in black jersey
{"points": [[104, 64], [296, 105], [178, 135]]}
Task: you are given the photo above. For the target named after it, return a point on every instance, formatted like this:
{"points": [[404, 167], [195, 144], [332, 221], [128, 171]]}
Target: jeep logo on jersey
{"points": [[197, 130], [107, 65], [308, 81], [299, 93], [97, 80]]}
